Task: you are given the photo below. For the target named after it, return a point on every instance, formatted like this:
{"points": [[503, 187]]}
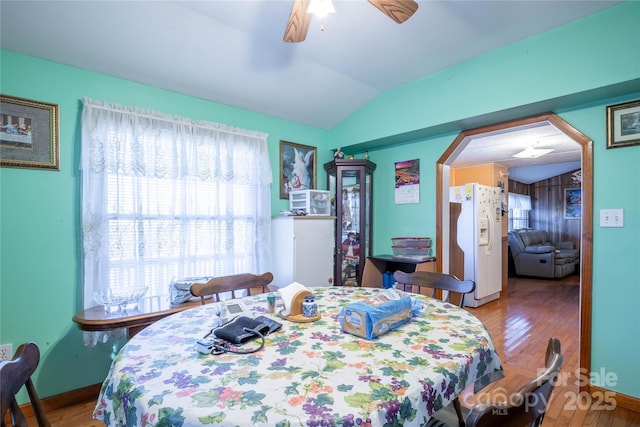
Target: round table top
{"points": [[306, 374]]}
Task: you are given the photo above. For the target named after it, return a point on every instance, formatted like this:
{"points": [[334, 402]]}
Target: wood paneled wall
{"points": [[547, 203], [519, 188]]}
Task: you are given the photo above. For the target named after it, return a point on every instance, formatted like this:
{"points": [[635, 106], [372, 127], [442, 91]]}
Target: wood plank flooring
{"points": [[520, 325]]}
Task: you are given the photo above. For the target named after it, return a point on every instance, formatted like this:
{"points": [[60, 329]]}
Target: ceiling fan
{"points": [[298, 24]]}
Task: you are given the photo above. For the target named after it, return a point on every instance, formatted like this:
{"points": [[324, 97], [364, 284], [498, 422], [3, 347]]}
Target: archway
{"points": [[586, 250]]}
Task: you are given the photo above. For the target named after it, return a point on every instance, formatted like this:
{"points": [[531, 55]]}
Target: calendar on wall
{"points": [[407, 182]]}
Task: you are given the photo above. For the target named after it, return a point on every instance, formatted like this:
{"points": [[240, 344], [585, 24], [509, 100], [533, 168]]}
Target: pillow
{"points": [[540, 249], [540, 236]]}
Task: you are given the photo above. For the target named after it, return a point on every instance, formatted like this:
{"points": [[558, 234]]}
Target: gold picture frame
{"points": [[29, 134], [623, 124], [297, 167]]}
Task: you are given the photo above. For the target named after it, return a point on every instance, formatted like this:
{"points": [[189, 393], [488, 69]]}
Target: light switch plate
{"points": [[611, 218], [6, 352]]}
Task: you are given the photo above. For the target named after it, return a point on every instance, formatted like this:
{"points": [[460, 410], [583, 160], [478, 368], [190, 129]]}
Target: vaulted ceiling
{"points": [[232, 52]]}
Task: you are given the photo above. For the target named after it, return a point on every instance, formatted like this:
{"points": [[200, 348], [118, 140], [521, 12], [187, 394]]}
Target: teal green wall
{"points": [[40, 237], [616, 251], [598, 51], [40, 246], [561, 67]]}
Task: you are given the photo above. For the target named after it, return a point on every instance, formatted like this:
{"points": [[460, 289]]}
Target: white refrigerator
{"points": [[479, 231]]}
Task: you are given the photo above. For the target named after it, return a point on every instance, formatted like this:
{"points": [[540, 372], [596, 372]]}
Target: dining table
{"points": [[307, 374]]}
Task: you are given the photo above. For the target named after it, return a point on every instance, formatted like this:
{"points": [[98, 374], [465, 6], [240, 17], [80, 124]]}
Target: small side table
{"points": [[375, 266]]}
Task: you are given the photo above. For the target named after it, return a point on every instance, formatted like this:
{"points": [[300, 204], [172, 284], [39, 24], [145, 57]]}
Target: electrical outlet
{"points": [[6, 352]]}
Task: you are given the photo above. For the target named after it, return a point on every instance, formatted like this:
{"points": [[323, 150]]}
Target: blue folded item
{"points": [[371, 319]]}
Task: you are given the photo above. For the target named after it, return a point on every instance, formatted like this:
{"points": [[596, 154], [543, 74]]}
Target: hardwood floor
{"points": [[520, 325]]}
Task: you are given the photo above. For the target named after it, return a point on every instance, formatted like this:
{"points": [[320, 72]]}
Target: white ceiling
{"points": [[231, 52], [500, 146]]}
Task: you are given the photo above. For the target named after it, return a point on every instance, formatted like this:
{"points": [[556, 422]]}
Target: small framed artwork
{"points": [[572, 203], [623, 124], [29, 134], [297, 168]]}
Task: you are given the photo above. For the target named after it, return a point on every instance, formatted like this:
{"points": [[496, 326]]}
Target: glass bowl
{"points": [[410, 251], [414, 242], [120, 298]]}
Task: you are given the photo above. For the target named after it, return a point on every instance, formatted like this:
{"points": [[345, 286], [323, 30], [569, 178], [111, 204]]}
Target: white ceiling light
{"points": [[321, 8], [533, 153]]}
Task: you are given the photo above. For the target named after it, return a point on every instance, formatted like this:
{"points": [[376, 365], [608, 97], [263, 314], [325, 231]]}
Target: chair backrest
{"points": [[437, 282], [14, 374], [528, 405], [236, 282]]}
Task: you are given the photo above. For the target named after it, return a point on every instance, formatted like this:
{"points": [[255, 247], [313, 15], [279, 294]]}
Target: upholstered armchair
{"points": [[533, 254]]}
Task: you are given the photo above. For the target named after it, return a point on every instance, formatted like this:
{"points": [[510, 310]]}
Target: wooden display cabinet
{"points": [[350, 182]]}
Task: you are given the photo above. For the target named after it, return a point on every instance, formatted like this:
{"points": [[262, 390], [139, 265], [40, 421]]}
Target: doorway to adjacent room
{"points": [[442, 215]]}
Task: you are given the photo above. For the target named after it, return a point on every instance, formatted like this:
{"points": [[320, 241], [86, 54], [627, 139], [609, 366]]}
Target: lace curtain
{"points": [[519, 207], [165, 197]]}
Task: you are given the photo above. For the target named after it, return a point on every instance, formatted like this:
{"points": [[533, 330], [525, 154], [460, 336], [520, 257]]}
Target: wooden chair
{"points": [[524, 408], [528, 405], [437, 282], [236, 282], [14, 374]]}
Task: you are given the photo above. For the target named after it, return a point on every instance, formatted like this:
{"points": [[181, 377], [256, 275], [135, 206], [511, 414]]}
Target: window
{"points": [[166, 198], [519, 208]]}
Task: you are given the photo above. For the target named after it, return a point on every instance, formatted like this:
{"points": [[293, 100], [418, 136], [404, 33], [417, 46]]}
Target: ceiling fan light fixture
{"points": [[533, 153], [321, 8]]}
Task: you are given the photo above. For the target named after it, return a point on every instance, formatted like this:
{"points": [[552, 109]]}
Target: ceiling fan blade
{"points": [[298, 23], [398, 10]]}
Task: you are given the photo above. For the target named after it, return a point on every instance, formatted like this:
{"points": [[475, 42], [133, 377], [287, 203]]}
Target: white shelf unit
{"points": [[303, 250], [313, 202]]}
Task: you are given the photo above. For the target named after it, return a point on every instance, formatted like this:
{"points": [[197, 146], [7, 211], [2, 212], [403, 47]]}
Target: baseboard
{"points": [[61, 400], [622, 400]]}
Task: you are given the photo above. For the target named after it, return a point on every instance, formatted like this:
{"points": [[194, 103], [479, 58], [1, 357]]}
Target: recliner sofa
{"points": [[534, 255]]}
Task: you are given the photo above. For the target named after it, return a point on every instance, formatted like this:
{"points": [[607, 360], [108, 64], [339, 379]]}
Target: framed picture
{"points": [[623, 124], [29, 134], [572, 203], [297, 168]]}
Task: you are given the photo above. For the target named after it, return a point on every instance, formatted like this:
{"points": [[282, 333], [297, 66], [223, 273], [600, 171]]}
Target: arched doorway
{"points": [[586, 251]]}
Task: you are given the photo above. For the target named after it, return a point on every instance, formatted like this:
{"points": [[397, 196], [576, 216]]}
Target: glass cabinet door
{"points": [[350, 184]]}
